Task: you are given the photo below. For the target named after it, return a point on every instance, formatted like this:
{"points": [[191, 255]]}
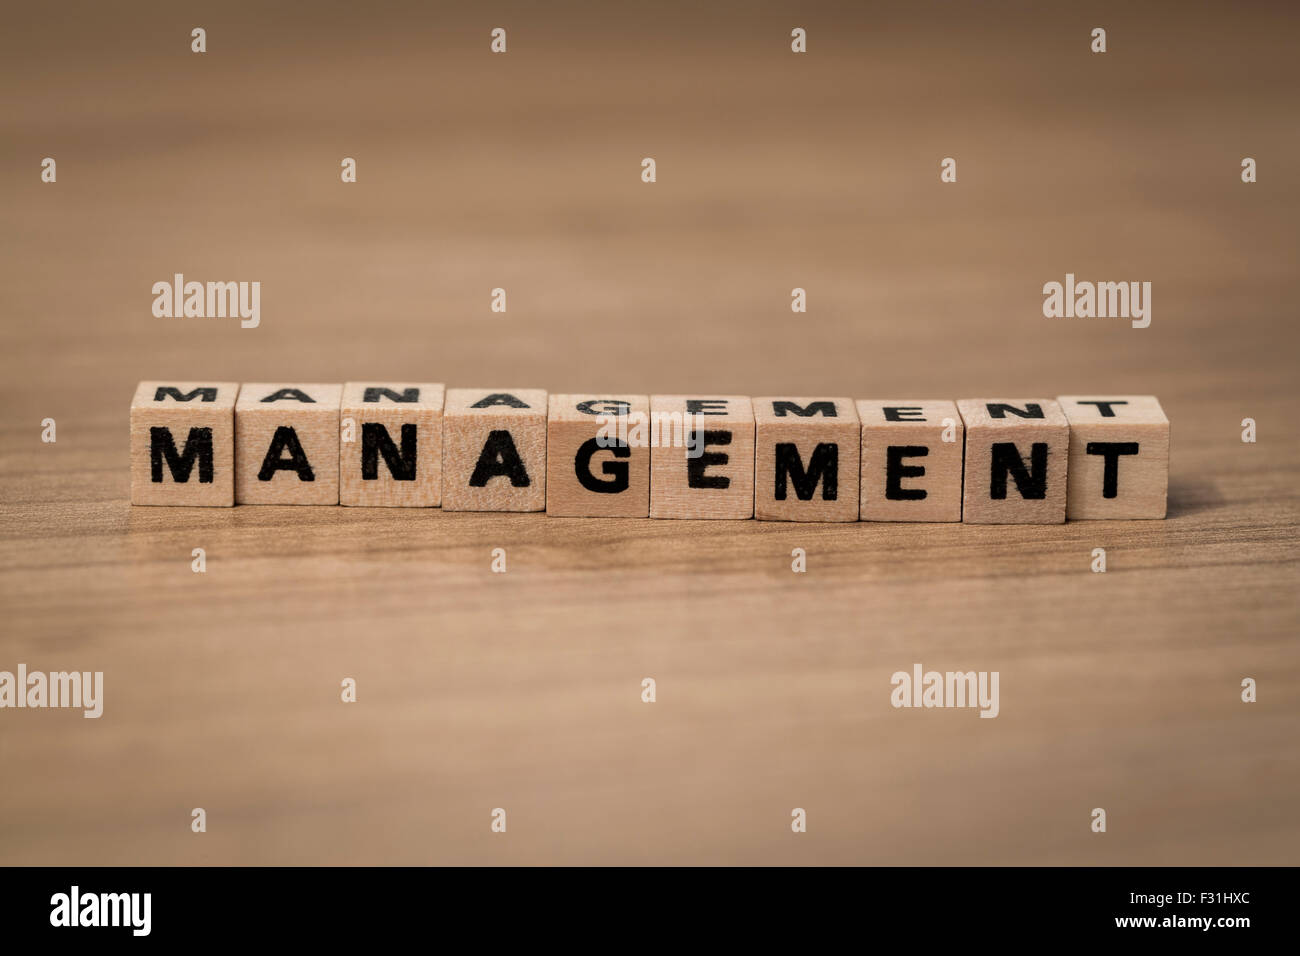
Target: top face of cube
{"points": [[497, 401], [420, 396], [710, 408], [804, 411], [917, 411], [1117, 410], [255, 395], [1005, 412], [199, 395], [594, 408]]}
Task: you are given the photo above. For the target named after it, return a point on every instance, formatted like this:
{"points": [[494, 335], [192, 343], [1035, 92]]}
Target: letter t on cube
{"points": [[1119, 456]]}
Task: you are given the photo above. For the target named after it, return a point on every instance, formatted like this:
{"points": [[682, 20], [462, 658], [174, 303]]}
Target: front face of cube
{"points": [[1119, 456], [1017, 458], [287, 444], [183, 444], [912, 456], [807, 459], [598, 456], [390, 447], [702, 456], [494, 456]]}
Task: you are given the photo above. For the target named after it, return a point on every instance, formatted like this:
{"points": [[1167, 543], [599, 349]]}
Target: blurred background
{"points": [[775, 171]]}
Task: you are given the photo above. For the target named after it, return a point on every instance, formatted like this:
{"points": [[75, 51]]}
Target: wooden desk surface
{"points": [[522, 690]]}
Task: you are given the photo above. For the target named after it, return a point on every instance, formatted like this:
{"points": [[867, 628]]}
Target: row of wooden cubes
{"points": [[991, 461]]}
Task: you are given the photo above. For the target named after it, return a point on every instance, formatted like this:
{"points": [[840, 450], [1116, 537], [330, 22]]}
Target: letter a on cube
{"points": [[287, 444], [495, 457]]}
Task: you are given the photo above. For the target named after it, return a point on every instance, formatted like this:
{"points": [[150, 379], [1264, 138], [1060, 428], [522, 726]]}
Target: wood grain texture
{"points": [[1138, 481], [523, 690], [925, 434], [715, 431], [505, 429], [1017, 458], [807, 458]]}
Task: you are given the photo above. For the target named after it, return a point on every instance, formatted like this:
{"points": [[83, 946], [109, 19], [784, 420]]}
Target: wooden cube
{"points": [[1119, 456], [807, 459], [495, 450], [598, 456], [390, 445], [701, 456], [1017, 455], [912, 453], [183, 443], [287, 444]]}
